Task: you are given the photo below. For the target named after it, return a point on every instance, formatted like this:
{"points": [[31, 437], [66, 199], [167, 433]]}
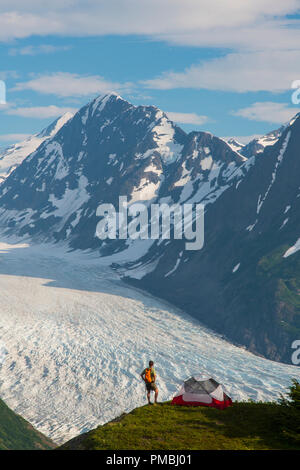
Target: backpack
{"points": [[148, 377]]}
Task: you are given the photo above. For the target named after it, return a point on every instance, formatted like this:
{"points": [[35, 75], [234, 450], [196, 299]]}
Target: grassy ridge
{"points": [[17, 434], [244, 426]]}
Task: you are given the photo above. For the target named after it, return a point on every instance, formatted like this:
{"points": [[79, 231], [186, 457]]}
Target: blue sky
{"points": [[225, 67]]}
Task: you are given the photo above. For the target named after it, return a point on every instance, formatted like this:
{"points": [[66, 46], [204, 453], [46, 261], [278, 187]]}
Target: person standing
{"points": [[149, 377]]}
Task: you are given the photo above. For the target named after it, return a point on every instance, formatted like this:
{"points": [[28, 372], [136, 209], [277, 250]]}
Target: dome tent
{"points": [[202, 391]]}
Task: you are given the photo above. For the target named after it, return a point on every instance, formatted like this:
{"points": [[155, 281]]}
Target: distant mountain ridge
{"points": [[258, 144]]}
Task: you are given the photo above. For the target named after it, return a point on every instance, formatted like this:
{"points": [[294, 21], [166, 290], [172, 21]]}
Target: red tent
{"points": [[202, 391]]}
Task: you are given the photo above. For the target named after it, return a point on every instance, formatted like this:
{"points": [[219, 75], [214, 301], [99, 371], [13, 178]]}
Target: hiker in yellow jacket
{"points": [[149, 376]]}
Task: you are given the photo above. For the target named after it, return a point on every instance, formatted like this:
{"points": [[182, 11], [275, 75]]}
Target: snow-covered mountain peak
{"points": [[116, 121], [111, 148], [108, 105], [235, 144], [100, 102]]}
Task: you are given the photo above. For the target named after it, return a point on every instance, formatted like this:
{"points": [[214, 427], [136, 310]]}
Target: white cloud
{"points": [[268, 111], [265, 41], [5, 74], [187, 118], [41, 49], [195, 22], [264, 35], [39, 112], [13, 137], [68, 84], [238, 72]]}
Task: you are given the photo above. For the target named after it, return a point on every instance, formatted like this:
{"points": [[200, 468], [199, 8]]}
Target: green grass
{"points": [[244, 426], [18, 434]]}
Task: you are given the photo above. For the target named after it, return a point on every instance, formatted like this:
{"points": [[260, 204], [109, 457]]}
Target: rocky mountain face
{"points": [[244, 282]]}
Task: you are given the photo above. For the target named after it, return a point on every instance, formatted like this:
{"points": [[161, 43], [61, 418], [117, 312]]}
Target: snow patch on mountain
{"points": [[145, 191], [13, 156], [164, 138], [236, 267], [206, 163], [261, 199], [71, 200], [293, 249], [284, 223], [185, 176], [176, 265]]}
